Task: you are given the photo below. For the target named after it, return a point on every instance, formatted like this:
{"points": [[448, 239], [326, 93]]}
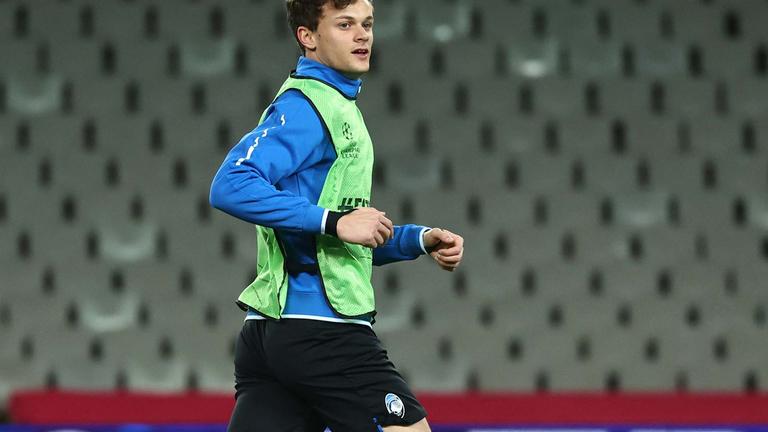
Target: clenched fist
{"points": [[365, 226], [447, 247]]}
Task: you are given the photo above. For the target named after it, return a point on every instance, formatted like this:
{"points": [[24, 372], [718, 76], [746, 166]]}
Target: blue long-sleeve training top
{"points": [[273, 177]]}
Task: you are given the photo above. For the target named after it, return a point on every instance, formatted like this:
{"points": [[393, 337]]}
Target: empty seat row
{"points": [[672, 98], [425, 20], [143, 243], [529, 58], [165, 136]]}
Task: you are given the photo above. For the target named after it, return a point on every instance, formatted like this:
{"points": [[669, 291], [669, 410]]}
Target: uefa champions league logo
{"points": [[346, 130], [394, 405]]}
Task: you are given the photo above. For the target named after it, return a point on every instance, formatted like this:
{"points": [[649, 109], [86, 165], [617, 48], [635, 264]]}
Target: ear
{"points": [[306, 38]]}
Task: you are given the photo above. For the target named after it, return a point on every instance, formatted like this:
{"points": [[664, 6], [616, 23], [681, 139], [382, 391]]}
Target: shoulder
{"points": [[292, 116], [293, 105]]}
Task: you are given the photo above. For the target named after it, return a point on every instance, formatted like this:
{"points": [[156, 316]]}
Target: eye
{"points": [[368, 25], [344, 25]]}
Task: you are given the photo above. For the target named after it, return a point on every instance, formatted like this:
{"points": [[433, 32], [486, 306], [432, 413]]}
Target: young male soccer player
{"points": [[307, 356]]}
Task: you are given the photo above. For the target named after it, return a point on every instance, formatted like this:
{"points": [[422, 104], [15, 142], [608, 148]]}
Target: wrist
{"points": [[427, 242], [332, 221]]}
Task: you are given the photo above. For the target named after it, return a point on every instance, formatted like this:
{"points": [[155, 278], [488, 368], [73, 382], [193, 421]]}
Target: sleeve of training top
{"points": [[286, 141], [407, 244]]}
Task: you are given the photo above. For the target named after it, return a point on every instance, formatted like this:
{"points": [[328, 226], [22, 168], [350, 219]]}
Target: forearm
{"points": [[254, 200], [407, 244]]}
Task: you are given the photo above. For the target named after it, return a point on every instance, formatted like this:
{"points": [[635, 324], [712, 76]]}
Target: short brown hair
{"points": [[307, 13]]}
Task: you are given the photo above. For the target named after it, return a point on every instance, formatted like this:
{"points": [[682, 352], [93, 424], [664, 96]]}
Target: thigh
{"points": [[344, 373], [421, 426], [262, 402], [270, 407]]}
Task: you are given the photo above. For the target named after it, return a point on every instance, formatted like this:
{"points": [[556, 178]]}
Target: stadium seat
{"points": [[207, 58], [752, 13], [635, 21], [101, 96], [543, 173], [248, 20], [695, 24], [625, 98], [179, 20], [699, 366], [571, 211], [7, 22], [594, 59], [534, 245], [658, 58], [390, 55], [226, 96], [271, 61], [391, 21], [687, 98], [497, 99], [450, 22], [707, 211], [532, 58], [125, 24], [76, 360], [581, 135], [646, 135], [731, 60], [414, 174], [641, 209], [18, 372], [104, 302], [147, 361], [571, 21], [424, 368], [622, 173], [506, 209], [210, 357], [78, 59], [506, 21], [60, 20], [678, 174], [395, 136], [742, 174], [599, 245], [35, 94], [747, 97], [734, 246], [483, 55], [513, 365], [513, 135], [38, 312], [24, 52], [155, 55], [757, 210]]}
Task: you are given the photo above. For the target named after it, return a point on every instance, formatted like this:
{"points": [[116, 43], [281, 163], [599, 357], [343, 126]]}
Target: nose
{"points": [[362, 35]]}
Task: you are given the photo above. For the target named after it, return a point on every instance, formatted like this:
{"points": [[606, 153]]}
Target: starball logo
{"points": [[346, 130], [353, 151]]}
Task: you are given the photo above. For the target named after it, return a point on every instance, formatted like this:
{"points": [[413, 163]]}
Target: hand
{"points": [[447, 247], [365, 226]]}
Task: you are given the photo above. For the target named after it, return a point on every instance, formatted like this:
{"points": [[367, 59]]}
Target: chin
{"points": [[356, 71], [364, 69]]}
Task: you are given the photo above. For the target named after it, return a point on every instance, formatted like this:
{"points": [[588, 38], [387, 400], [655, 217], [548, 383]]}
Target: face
{"points": [[343, 38]]}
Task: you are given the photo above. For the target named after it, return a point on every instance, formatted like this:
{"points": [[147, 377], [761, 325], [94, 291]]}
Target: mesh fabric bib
{"points": [[345, 268]]}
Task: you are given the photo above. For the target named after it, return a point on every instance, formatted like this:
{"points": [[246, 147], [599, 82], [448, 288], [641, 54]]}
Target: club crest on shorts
{"points": [[394, 405]]}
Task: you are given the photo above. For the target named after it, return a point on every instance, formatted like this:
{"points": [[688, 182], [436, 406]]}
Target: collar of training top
{"points": [[307, 68]]}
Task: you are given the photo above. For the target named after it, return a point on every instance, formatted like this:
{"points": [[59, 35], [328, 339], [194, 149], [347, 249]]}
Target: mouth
{"points": [[361, 53]]}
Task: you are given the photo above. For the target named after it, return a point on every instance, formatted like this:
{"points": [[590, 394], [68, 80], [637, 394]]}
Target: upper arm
{"points": [[289, 139]]}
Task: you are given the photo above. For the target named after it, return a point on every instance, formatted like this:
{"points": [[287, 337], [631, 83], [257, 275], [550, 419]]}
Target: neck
{"points": [[312, 55]]}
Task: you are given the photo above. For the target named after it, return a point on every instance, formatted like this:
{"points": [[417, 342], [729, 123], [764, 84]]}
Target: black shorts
{"points": [[297, 375]]}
